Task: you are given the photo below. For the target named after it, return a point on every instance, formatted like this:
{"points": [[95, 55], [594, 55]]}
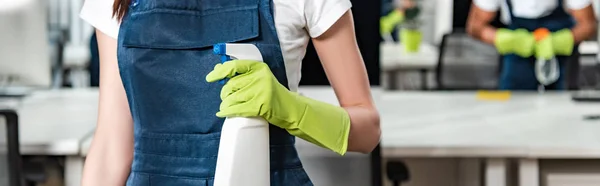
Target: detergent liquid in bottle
{"points": [[546, 65], [243, 156]]}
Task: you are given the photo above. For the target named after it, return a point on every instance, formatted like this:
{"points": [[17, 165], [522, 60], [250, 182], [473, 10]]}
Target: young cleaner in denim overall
{"points": [[162, 108], [569, 21]]}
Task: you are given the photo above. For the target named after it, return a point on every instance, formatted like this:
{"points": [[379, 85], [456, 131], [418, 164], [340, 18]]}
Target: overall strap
{"points": [[560, 9], [510, 9]]}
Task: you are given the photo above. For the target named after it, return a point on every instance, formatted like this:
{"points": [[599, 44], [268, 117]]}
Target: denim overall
{"points": [[165, 52], [518, 73]]}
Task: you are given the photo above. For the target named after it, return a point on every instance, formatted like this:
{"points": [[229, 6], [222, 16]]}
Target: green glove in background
{"points": [[253, 91], [563, 42], [388, 22], [520, 42], [544, 49]]}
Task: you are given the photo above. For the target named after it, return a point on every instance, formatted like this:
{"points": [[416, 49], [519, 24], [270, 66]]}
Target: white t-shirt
{"points": [[528, 8], [296, 21]]}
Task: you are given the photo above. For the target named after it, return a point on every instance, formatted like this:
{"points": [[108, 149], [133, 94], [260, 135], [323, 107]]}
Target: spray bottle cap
{"points": [[219, 49], [541, 33]]}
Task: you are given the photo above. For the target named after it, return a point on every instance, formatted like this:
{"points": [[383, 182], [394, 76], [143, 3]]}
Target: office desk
{"points": [[322, 93], [9, 102], [55, 123], [315, 154], [528, 127]]}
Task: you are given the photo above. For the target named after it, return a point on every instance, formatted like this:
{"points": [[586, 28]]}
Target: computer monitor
{"points": [[24, 45]]}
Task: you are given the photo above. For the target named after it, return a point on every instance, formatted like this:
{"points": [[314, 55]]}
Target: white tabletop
{"points": [[85, 145], [456, 124], [446, 124], [55, 122], [12, 5], [306, 149], [393, 57], [588, 47]]}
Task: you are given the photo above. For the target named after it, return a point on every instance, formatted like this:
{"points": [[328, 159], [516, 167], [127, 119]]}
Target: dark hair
{"points": [[120, 8]]}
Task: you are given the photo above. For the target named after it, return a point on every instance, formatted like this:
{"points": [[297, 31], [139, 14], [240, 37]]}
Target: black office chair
{"points": [[397, 172], [33, 172], [465, 63], [14, 155], [584, 73], [28, 173]]}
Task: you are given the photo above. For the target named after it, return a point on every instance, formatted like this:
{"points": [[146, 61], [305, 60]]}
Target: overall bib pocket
{"points": [[170, 28], [165, 52]]}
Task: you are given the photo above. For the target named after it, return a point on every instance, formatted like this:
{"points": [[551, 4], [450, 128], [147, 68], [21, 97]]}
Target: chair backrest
{"points": [[466, 63], [587, 74]]}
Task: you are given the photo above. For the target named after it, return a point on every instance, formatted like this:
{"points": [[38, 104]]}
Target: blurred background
{"points": [[466, 62], [451, 125], [443, 122]]}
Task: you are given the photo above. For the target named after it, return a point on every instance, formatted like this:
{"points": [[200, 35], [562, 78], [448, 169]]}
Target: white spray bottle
{"points": [[546, 68], [243, 157]]}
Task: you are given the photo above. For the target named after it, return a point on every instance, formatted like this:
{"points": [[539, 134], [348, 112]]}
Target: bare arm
{"points": [[478, 24], [109, 159], [586, 23], [344, 66]]}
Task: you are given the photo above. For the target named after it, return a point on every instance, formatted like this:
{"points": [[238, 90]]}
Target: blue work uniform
{"points": [[164, 53], [518, 73]]}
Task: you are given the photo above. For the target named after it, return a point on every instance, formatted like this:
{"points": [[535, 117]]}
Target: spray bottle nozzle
{"points": [[244, 51], [221, 49]]}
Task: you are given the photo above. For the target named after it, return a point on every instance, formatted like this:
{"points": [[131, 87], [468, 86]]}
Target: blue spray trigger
{"points": [[223, 81], [221, 49], [224, 58]]}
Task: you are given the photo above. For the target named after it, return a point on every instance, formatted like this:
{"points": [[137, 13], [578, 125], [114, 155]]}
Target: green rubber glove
{"points": [[519, 42], [388, 22], [563, 42], [544, 49], [253, 91]]}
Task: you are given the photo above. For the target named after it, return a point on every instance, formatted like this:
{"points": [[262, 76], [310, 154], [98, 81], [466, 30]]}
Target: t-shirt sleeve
{"points": [[578, 4], [320, 15], [488, 5], [98, 13]]}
